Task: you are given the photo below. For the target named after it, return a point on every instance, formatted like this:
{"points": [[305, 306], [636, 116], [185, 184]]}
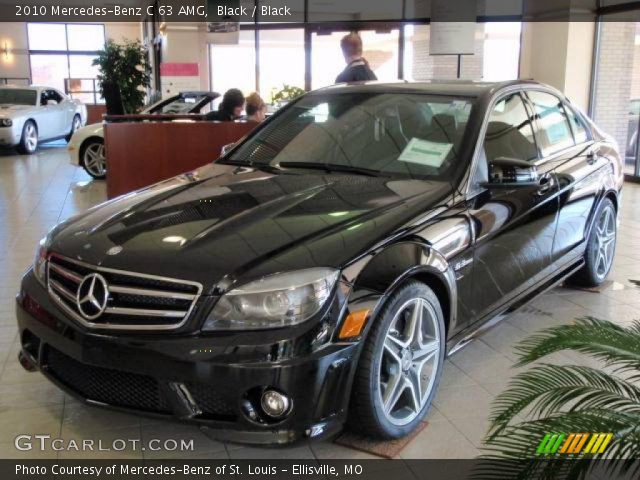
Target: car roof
{"points": [[463, 88]]}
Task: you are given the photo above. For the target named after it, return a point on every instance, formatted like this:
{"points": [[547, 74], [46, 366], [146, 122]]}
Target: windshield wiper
{"points": [[332, 167]]}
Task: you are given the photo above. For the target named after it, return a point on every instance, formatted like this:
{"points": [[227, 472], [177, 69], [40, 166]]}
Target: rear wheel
{"points": [[93, 157], [601, 248], [29, 140], [75, 125], [400, 365]]}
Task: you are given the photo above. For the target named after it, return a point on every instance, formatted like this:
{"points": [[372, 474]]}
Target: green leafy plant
{"points": [[126, 66], [567, 399], [286, 94]]}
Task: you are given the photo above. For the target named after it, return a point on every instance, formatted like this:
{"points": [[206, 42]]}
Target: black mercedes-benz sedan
{"points": [[319, 271]]}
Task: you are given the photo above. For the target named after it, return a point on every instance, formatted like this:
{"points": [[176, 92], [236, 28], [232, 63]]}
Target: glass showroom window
{"points": [[496, 54], [380, 49], [61, 55], [616, 97], [280, 49], [234, 66]]}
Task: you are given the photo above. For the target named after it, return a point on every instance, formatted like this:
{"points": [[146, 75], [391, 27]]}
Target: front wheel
{"points": [[400, 365], [601, 247], [29, 139], [93, 158]]}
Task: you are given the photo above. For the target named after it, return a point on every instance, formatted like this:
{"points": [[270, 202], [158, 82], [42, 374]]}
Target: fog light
{"points": [[274, 403]]}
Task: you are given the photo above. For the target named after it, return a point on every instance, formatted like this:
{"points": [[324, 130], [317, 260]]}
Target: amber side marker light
{"points": [[353, 324]]}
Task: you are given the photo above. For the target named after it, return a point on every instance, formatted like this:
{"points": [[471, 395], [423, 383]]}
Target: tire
{"points": [[601, 247], [29, 139], [384, 363], [76, 123], [93, 159]]}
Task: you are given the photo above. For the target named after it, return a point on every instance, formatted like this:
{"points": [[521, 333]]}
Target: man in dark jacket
{"points": [[357, 69], [230, 108]]}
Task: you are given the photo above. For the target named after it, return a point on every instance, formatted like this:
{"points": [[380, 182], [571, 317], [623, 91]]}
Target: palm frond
{"points": [[615, 345], [569, 399], [550, 389]]}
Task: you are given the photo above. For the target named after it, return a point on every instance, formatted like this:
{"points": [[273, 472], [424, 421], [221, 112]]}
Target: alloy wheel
{"points": [[94, 159], [409, 361], [605, 241], [31, 137]]}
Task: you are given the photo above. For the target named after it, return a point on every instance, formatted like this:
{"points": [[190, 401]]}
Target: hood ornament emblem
{"points": [[92, 296]]}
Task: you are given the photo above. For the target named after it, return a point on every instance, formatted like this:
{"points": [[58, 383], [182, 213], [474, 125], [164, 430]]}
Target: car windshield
{"points": [[17, 96], [382, 134]]}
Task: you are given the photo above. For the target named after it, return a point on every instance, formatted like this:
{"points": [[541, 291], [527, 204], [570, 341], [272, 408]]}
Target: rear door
{"points": [[514, 227]]}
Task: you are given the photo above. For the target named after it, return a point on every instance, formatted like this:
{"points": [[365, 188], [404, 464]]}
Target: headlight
{"points": [[275, 301], [6, 122], [40, 263]]}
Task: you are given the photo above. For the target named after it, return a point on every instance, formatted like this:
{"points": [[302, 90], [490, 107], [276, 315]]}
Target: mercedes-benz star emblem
{"points": [[92, 296]]}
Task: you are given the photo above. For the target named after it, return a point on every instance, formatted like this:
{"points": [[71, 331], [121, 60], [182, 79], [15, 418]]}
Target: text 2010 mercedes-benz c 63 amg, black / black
{"points": [[323, 267]]}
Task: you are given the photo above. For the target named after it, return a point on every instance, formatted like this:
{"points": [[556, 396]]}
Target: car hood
{"points": [[224, 222]]}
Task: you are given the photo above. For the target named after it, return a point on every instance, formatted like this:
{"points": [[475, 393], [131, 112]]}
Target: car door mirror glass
{"points": [[511, 172]]}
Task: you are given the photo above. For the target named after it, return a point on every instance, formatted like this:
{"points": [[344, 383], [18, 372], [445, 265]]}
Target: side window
{"points": [[553, 132], [579, 130], [53, 95], [509, 132]]}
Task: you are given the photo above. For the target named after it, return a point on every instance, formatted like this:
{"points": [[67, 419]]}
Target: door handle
{"points": [[591, 158]]}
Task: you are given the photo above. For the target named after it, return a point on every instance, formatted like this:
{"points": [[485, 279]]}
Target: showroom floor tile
{"points": [[40, 190]]}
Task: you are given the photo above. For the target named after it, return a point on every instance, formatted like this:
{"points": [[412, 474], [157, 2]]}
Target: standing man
{"points": [[357, 69]]}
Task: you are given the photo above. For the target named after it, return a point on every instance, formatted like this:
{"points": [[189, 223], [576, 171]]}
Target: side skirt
{"points": [[463, 338]]}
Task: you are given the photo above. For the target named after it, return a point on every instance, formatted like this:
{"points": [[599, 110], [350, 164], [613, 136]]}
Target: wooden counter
{"points": [[95, 113], [143, 153]]}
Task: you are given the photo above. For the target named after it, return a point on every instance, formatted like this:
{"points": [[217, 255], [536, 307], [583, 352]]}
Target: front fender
{"points": [[376, 276]]}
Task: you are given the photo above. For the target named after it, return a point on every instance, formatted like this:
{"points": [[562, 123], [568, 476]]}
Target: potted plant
{"points": [[556, 419], [285, 95], [124, 75]]}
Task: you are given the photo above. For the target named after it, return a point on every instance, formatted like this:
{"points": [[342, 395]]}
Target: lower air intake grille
{"points": [[210, 401], [113, 387]]}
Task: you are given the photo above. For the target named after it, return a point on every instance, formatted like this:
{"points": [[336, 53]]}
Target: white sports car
{"points": [[31, 115], [87, 144]]}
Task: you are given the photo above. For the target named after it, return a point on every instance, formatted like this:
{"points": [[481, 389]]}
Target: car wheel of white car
{"points": [[29, 140], [75, 125], [94, 160]]}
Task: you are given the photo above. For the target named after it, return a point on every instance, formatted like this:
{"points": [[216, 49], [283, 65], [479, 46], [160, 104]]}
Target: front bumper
{"points": [[9, 136], [191, 378]]}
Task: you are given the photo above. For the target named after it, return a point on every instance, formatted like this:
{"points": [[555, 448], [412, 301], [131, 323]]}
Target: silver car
{"points": [[31, 115]]}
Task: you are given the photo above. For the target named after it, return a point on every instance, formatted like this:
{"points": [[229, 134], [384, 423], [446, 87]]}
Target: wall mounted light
{"points": [[5, 50]]}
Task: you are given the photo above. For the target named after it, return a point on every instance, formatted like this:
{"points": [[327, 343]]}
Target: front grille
{"points": [[129, 301], [113, 387]]}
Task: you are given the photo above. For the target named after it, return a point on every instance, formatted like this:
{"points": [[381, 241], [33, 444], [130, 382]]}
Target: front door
{"points": [[515, 227], [566, 144]]}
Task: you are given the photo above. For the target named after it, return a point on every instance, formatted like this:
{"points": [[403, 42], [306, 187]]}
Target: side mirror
{"points": [[51, 103], [226, 148], [507, 172]]}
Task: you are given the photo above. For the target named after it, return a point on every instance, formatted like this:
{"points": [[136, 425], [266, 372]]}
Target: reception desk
{"points": [[140, 153]]}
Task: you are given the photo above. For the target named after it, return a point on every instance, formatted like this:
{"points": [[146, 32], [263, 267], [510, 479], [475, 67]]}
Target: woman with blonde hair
{"points": [[255, 108]]}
